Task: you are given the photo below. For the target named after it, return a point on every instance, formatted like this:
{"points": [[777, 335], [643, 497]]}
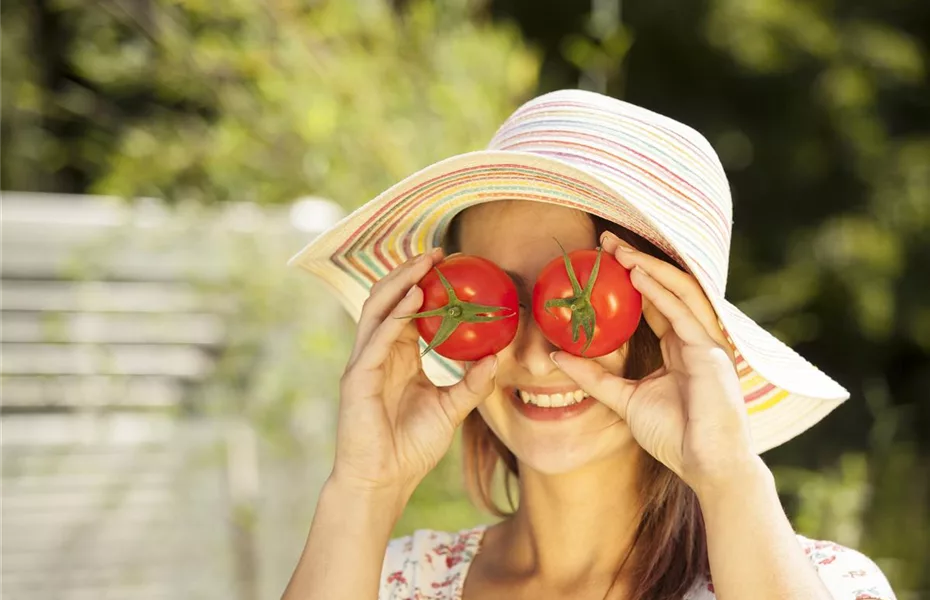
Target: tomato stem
{"points": [[456, 312], [583, 316]]}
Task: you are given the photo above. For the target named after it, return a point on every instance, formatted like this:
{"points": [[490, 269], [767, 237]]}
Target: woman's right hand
{"points": [[394, 424]]}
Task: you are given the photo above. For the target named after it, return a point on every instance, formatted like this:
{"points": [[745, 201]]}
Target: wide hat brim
{"points": [[784, 393]]}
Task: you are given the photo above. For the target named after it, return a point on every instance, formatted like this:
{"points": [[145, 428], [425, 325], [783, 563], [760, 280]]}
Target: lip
{"points": [[540, 413]]}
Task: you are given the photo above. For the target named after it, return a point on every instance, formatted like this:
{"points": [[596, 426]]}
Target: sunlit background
{"points": [[170, 388]]}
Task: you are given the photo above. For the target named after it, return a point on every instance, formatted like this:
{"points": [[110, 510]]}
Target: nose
{"points": [[531, 349]]}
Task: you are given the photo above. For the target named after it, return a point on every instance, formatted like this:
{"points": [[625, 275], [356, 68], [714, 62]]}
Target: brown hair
{"points": [[670, 538]]}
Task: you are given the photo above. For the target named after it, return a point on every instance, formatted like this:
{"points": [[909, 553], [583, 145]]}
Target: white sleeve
{"points": [[847, 573]]}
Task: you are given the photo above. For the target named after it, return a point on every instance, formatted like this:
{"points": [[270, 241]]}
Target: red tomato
{"points": [[586, 320], [478, 318]]}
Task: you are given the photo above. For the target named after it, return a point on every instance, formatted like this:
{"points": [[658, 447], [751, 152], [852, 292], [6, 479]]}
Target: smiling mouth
{"points": [[550, 400]]}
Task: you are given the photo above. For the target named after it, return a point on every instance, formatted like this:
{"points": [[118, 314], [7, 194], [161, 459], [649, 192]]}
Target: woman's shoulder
{"points": [[847, 574], [429, 564]]}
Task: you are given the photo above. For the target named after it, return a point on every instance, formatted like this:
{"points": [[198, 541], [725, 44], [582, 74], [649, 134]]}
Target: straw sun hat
{"points": [[648, 173]]}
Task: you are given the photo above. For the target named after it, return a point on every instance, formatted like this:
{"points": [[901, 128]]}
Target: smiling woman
{"points": [[637, 469], [674, 534]]}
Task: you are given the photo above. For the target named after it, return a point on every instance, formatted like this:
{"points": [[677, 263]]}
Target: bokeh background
{"points": [[170, 388]]}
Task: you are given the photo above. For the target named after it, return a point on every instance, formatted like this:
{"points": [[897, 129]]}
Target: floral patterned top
{"points": [[432, 565]]}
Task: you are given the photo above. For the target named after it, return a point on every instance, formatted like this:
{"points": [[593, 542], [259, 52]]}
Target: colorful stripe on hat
{"points": [[648, 173]]}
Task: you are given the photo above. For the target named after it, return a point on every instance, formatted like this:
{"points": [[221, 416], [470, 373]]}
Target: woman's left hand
{"points": [[689, 414]]}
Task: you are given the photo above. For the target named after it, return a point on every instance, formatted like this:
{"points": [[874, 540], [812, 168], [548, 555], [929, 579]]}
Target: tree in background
{"points": [[258, 101]]}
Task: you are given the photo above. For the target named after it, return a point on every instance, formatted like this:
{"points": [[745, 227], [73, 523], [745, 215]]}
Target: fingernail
{"points": [[627, 249], [552, 358], [493, 366], [608, 236], [410, 292]]}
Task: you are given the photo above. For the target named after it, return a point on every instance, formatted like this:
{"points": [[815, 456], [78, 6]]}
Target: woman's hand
{"points": [[394, 424], [689, 414]]}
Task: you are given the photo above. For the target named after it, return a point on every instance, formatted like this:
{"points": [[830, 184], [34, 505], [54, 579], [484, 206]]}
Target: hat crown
{"points": [[669, 171]]}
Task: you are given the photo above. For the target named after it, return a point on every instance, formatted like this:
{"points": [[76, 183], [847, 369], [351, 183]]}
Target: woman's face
{"points": [[520, 237]]}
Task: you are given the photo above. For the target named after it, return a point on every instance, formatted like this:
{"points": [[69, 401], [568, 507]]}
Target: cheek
{"points": [[493, 411]]}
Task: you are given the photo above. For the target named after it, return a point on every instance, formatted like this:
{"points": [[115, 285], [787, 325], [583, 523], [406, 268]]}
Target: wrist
{"points": [[742, 478], [363, 497]]}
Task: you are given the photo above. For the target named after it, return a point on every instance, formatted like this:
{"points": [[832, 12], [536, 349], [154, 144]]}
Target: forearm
{"points": [[346, 545], [753, 549]]}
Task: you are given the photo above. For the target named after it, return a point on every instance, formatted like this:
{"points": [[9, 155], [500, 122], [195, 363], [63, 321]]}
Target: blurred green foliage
{"points": [[255, 101], [819, 111]]}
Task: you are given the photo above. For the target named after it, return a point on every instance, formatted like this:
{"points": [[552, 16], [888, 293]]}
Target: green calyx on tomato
{"points": [[471, 316], [583, 315], [456, 312], [607, 310]]}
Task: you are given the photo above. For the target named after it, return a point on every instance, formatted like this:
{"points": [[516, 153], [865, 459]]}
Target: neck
{"points": [[575, 527]]}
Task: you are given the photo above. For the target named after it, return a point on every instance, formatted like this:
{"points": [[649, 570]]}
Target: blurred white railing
{"points": [[116, 484]]}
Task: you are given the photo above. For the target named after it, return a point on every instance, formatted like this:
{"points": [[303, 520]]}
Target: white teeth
{"points": [[553, 400]]}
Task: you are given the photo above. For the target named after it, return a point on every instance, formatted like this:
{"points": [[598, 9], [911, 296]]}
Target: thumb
{"points": [[471, 391], [600, 383]]}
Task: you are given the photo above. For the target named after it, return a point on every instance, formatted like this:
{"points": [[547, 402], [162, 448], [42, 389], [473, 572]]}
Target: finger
{"points": [[387, 292], [670, 276], [679, 315], [460, 399], [600, 383], [379, 345], [655, 319], [710, 323]]}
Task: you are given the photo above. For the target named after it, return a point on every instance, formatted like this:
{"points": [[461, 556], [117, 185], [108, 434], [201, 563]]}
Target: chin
{"points": [[557, 461], [571, 455]]}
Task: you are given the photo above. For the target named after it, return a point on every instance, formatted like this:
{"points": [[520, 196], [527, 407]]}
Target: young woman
{"points": [[637, 473]]}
